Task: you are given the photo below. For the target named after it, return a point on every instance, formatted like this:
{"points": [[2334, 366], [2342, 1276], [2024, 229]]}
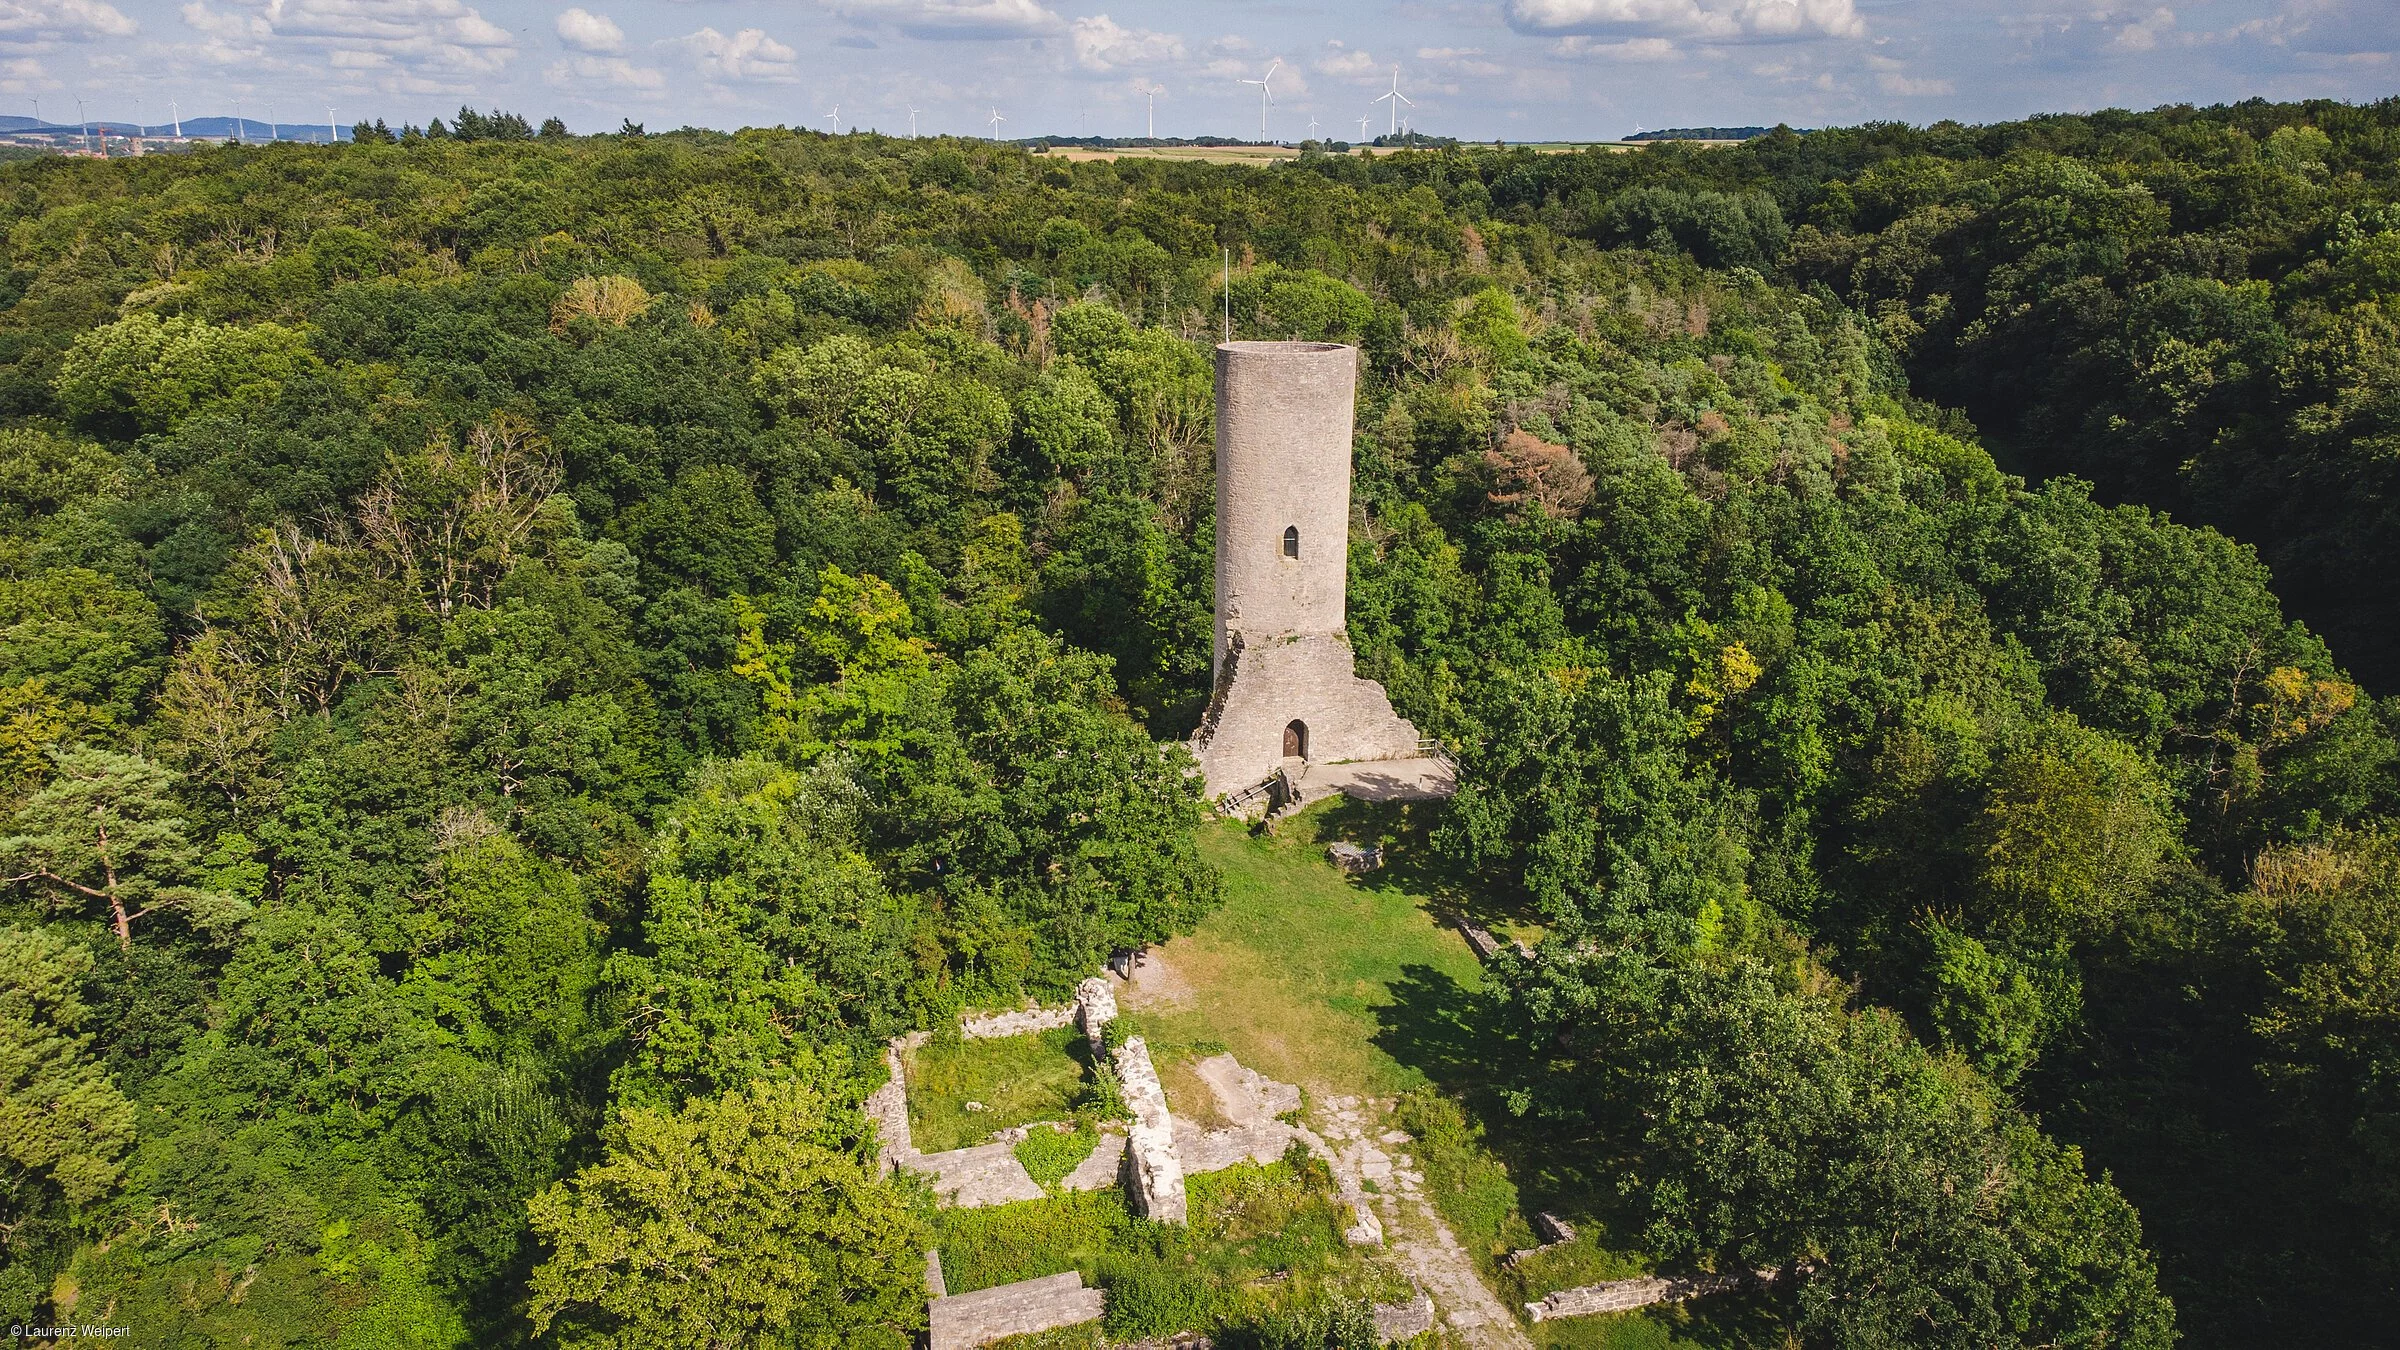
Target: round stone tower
{"points": [[1287, 694], [1283, 487]]}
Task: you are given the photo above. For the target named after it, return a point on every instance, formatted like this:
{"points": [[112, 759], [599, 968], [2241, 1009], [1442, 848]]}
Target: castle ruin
{"points": [[1287, 695]]}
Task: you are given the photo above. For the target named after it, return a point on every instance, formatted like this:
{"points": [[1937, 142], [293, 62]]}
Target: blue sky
{"points": [[1518, 69]]}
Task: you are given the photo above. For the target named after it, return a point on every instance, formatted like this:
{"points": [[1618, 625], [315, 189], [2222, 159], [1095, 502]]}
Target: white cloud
{"points": [[585, 31], [1631, 49], [1101, 43], [612, 71], [34, 22], [1706, 20], [956, 18], [2143, 34], [425, 43], [749, 56]]}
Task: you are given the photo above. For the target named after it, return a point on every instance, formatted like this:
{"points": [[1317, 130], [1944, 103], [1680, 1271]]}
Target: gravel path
{"points": [[1413, 1228]]}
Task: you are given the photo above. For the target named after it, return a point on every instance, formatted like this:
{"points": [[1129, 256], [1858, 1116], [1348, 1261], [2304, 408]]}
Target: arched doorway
{"points": [[1295, 740], [1291, 541]]}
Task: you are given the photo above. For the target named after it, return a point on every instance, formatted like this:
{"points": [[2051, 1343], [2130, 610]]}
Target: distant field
{"points": [[1268, 154]]}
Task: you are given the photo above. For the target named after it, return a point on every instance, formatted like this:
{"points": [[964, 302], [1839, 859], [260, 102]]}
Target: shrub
{"points": [[1049, 1155], [1147, 1298]]}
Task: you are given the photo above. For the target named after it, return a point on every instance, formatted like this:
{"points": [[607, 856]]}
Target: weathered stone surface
{"points": [[1156, 1181], [1270, 681], [1404, 1321], [1245, 1096], [887, 1106], [970, 1178], [1016, 1022], [1354, 857], [1478, 938], [1203, 1151], [1551, 1228], [964, 1321], [935, 1285], [1095, 1008], [1102, 1169], [1626, 1295]]}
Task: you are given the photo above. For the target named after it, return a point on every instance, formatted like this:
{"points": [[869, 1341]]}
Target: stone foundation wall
{"points": [[1308, 678], [964, 1321]]}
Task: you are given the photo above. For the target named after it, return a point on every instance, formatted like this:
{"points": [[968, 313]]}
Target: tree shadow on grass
{"points": [[1412, 864]]}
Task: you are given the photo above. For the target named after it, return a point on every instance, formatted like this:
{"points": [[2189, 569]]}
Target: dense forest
{"points": [[526, 659]]}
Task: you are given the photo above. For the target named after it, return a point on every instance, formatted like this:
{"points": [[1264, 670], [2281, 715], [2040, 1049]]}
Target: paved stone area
{"points": [[1375, 780]]}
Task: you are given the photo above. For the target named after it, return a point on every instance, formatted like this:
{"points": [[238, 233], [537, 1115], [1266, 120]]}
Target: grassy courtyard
{"points": [[1012, 1080]]}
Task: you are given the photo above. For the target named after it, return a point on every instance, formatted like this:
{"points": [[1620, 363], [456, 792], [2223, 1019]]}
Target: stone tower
{"points": [[1285, 686]]}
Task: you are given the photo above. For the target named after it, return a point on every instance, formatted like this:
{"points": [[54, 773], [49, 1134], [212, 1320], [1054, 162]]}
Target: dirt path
{"points": [[1412, 1227]]}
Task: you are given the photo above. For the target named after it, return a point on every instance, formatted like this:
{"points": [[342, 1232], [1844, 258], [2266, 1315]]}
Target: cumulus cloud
{"points": [[34, 22], [1101, 43], [1704, 20], [585, 31], [956, 18], [431, 42], [749, 56]]}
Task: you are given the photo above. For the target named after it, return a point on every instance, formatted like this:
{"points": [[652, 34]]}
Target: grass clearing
{"points": [[1017, 1080], [1312, 977]]}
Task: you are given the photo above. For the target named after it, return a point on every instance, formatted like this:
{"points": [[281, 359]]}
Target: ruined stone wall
{"points": [[964, 1321]]}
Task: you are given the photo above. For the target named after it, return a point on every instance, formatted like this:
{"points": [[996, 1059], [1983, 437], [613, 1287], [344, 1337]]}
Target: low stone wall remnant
{"points": [[1095, 1008], [1626, 1295], [1156, 1184], [1015, 1022], [964, 1321]]}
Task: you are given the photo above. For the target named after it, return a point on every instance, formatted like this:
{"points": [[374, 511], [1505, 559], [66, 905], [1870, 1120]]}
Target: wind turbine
{"points": [[1266, 95], [1397, 98], [833, 121], [274, 128], [332, 132], [1152, 94], [1312, 126], [87, 124], [912, 123], [241, 122], [175, 114], [997, 119], [1362, 125]]}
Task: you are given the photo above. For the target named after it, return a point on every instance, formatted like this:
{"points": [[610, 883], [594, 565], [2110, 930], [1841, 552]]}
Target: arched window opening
{"points": [[1291, 541], [1295, 740]]}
